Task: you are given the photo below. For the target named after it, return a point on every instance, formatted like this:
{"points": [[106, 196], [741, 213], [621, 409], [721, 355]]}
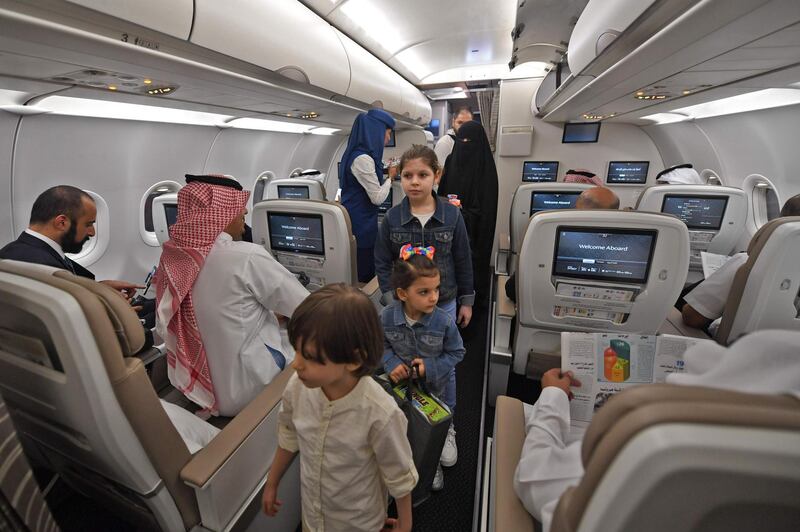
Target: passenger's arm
{"points": [[280, 463], [364, 170], [453, 352], [548, 464], [692, 318], [391, 361], [391, 449], [462, 257], [384, 259], [275, 287]]}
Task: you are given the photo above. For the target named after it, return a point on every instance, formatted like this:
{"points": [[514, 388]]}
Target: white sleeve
{"points": [[710, 296], [275, 287], [363, 169], [548, 464], [443, 148]]}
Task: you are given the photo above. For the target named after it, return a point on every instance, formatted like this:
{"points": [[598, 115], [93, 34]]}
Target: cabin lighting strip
{"points": [[63, 105], [751, 101]]}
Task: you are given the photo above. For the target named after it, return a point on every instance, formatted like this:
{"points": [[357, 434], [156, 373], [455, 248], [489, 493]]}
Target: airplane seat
{"points": [[310, 238], [84, 405], [715, 215], [765, 293], [295, 188], [666, 458], [618, 271], [530, 198]]}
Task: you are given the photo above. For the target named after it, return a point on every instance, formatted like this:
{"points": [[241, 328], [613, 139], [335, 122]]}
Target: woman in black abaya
{"points": [[471, 174]]}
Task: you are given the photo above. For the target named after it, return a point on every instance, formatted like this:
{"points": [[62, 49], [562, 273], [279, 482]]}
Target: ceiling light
{"points": [[64, 105], [687, 91], [112, 87], [751, 101], [147, 81], [324, 131], [665, 118], [270, 125]]}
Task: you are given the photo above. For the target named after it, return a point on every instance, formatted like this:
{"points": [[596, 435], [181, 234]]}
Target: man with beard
{"points": [[62, 220]]}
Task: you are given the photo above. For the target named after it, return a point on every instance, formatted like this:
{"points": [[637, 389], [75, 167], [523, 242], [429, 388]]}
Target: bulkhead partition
{"points": [[715, 215], [312, 239], [596, 270]]}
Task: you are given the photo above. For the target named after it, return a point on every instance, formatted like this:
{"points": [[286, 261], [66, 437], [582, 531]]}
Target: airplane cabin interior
{"points": [[123, 99]]}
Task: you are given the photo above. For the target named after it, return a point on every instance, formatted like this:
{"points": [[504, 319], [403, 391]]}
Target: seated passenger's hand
{"points": [[128, 290], [420, 366], [392, 171], [270, 500], [399, 373], [464, 315], [563, 380]]}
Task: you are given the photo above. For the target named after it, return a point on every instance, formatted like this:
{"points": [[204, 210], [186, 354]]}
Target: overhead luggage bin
{"points": [[598, 26], [542, 31], [173, 17], [269, 34], [370, 79]]}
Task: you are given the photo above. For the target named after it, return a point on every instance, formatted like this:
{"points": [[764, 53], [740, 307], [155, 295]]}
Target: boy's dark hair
{"points": [[343, 325], [419, 151], [61, 199], [405, 272]]}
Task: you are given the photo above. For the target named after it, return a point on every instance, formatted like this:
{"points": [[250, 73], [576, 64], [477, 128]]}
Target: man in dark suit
{"points": [[62, 220]]}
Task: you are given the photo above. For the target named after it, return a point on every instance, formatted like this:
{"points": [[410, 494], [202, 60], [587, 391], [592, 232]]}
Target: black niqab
{"points": [[470, 173]]}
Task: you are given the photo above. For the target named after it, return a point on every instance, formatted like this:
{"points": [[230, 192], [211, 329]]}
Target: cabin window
{"points": [[764, 200], [95, 247], [146, 228]]}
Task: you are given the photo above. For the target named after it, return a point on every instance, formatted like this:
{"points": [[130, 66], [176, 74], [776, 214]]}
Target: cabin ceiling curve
{"points": [[241, 59]]}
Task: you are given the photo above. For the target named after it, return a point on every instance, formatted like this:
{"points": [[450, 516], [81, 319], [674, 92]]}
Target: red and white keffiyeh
{"points": [[204, 210]]}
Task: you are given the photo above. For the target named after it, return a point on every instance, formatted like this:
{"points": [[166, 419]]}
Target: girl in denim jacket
{"points": [[418, 332], [423, 219]]}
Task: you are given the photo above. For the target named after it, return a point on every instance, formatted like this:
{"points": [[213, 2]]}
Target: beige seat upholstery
{"points": [[673, 458], [334, 258], [85, 408], [766, 290]]}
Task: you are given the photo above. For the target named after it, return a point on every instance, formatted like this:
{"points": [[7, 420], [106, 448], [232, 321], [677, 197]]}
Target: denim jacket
{"points": [[434, 338], [445, 231]]}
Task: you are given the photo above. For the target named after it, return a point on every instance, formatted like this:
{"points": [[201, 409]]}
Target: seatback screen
{"points": [[581, 132], [171, 212], [697, 212], [293, 191], [539, 171], [620, 255], [545, 201], [627, 172], [296, 233], [387, 203]]}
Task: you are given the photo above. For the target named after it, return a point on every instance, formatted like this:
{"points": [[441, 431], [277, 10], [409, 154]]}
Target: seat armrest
{"points": [[503, 254], [507, 513], [505, 307], [232, 467]]}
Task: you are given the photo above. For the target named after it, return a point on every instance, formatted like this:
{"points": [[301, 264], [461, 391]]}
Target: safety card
{"points": [[607, 363]]}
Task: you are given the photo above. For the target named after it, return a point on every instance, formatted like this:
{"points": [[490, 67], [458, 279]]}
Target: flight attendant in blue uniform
{"points": [[362, 183]]}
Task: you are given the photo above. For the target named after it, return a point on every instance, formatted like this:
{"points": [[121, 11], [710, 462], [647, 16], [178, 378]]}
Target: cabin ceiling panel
{"points": [[447, 30]]}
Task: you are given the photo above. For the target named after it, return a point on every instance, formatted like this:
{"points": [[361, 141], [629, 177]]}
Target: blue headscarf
{"points": [[366, 137]]}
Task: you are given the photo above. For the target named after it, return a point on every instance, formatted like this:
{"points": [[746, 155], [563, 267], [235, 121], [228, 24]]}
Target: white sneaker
{"points": [[438, 479], [450, 451]]}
